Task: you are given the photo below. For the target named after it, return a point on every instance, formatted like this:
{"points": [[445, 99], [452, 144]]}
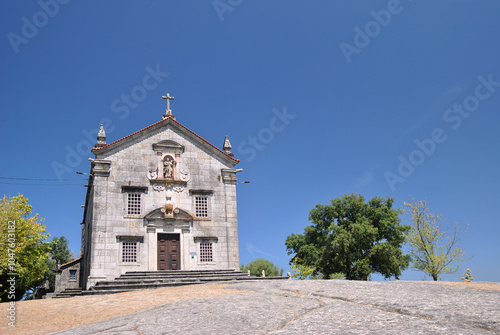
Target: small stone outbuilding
{"points": [[68, 276]]}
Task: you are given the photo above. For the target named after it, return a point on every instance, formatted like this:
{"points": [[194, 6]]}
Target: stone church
{"points": [[162, 198]]}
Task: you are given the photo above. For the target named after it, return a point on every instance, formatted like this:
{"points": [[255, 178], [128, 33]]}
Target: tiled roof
{"points": [[71, 263], [154, 124], [121, 139]]}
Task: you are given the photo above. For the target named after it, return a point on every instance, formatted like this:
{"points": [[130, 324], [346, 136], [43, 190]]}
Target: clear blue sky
{"points": [[381, 98]]}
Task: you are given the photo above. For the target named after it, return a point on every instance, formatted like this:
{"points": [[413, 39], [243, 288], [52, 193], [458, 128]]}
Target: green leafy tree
{"points": [[434, 248], [352, 237], [21, 239], [256, 266], [58, 254]]}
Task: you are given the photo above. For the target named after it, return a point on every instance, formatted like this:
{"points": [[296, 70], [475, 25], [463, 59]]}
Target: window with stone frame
{"points": [[72, 274], [134, 203], [201, 203], [201, 206], [129, 252], [207, 246], [133, 197], [206, 252]]}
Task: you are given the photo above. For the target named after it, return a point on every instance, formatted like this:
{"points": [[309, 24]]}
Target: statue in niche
{"points": [[168, 168]]}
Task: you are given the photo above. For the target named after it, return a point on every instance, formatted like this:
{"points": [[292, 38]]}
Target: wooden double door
{"points": [[169, 252]]}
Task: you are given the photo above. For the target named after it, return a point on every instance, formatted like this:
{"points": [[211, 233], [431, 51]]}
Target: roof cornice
{"points": [[169, 121]]}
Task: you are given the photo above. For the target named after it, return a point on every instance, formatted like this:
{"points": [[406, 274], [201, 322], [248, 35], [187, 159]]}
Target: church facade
{"points": [[162, 198]]}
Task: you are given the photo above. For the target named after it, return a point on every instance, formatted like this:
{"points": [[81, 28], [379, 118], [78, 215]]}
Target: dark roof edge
{"points": [[168, 119]]}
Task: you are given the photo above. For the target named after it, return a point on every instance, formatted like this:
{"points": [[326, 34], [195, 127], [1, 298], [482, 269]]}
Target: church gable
{"points": [[160, 131], [165, 155]]}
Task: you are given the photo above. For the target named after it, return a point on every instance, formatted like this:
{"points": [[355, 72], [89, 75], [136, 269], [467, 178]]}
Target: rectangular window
{"points": [[206, 252], [201, 207], [72, 274], [129, 252], [134, 204]]}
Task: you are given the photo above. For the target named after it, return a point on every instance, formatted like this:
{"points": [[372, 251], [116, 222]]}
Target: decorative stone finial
{"points": [[168, 111], [101, 138], [227, 147]]}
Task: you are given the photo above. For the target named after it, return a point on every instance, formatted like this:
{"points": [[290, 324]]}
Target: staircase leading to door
{"points": [[143, 280]]}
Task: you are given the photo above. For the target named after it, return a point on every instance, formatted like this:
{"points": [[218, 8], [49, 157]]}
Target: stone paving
{"points": [[319, 307]]}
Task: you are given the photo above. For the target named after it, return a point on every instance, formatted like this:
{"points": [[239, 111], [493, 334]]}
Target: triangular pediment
{"points": [[160, 126]]}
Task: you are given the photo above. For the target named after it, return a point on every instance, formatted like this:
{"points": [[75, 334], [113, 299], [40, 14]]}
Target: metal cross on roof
{"points": [[168, 111]]}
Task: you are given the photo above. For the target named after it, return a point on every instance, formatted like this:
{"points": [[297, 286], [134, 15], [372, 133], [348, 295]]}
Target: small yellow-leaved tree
{"points": [[22, 248], [434, 249], [467, 276], [302, 271]]}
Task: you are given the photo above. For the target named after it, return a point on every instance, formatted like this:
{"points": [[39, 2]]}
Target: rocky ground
{"points": [[274, 307]]}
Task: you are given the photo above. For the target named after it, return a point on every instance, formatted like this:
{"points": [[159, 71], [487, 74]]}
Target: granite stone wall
{"points": [[136, 166]]}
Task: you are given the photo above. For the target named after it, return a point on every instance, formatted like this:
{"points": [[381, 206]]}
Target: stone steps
{"points": [[182, 272], [69, 292], [143, 280], [136, 280], [145, 276], [117, 288]]}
